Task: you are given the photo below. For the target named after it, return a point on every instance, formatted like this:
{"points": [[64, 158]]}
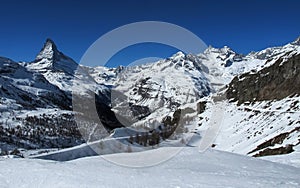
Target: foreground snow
{"points": [[189, 168], [292, 159]]}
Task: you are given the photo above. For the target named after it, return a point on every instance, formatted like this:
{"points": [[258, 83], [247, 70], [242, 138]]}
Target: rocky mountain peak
{"points": [[49, 51], [178, 55], [50, 58]]}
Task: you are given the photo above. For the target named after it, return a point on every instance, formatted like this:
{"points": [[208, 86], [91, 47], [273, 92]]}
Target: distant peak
{"points": [[227, 49], [179, 54], [224, 49], [296, 42], [50, 58], [49, 50]]}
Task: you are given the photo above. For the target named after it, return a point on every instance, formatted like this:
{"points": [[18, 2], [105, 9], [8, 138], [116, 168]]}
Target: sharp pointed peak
{"points": [[51, 58], [50, 41], [49, 50]]}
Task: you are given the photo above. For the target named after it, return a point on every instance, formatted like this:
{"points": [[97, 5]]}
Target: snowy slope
{"points": [[29, 89], [292, 159], [247, 126], [255, 125], [187, 169], [152, 91]]}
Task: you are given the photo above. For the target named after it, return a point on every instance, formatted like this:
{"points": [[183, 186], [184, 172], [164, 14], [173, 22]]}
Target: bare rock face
{"points": [[276, 151], [280, 80]]}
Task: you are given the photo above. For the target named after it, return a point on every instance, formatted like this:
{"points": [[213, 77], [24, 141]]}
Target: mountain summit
{"points": [[49, 51], [51, 59]]}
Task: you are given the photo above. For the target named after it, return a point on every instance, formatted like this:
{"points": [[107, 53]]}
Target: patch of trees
{"points": [[42, 132], [169, 127]]}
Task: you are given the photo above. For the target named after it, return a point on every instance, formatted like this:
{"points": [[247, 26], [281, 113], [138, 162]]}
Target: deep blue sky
{"points": [[74, 25]]}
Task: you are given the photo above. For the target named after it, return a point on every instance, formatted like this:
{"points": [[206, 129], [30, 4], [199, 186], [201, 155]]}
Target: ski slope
{"points": [[214, 126], [190, 168]]}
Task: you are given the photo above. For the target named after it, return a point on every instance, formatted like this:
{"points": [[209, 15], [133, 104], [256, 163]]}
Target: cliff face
{"points": [[280, 80]]}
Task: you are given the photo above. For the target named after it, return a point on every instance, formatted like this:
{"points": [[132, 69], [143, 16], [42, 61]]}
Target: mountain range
{"points": [[253, 100]]}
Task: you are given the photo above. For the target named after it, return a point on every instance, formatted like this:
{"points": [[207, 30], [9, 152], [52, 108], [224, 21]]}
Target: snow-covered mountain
{"points": [[223, 64], [257, 93], [36, 100], [261, 114], [150, 92], [61, 71]]}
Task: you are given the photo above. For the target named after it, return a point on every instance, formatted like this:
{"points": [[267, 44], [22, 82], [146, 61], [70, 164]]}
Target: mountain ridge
{"points": [[151, 97]]}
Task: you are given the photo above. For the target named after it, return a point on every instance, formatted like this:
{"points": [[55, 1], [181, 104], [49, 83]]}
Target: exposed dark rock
{"points": [[272, 142], [280, 80], [276, 151], [140, 112], [276, 140], [228, 63], [201, 107]]}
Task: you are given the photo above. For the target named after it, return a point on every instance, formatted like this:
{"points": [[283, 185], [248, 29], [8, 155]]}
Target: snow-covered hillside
{"points": [[153, 91], [259, 129], [261, 113], [187, 169]]}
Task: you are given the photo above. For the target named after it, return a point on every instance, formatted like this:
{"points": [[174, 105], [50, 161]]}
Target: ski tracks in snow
{"points": [[214, 126]]}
